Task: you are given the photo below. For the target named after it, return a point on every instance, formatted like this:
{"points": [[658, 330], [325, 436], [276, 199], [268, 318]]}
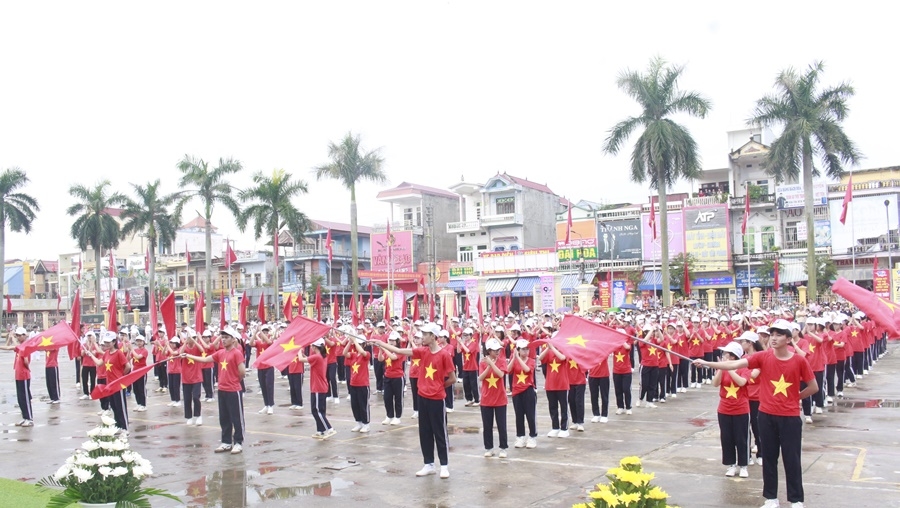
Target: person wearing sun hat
{"points": [[781, 372], [752, 344], [22, 368], [493, 397], [524, 396], [734, 412]]}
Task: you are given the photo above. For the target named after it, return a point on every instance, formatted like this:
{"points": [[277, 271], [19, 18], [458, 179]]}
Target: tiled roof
{"points": [[528, 183], [424, 189], [198, 223], [340, 226]]}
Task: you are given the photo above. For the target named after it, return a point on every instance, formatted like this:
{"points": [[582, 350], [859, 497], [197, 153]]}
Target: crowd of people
{"points": [[773, 369]]}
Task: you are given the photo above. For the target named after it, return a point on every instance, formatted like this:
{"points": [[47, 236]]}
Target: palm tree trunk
{"points": [[812, 268], [275, 281], [2, 261], [664, 237], [98, 273], [152, 272], [354, 248], [208, 266]]}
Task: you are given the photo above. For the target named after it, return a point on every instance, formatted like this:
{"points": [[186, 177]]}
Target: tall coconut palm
{"points": [[271, 209], [148, 212], [94, 227], [210, 187], [811, 119], [17, 210], [349, 165], [665, 150]]}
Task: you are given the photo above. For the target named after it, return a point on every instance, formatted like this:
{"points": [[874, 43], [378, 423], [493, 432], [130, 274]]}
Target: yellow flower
{"points": [[610, 498], [602, 486], [657, 493], [580, 505], [630, 461], [616, 471], [629, 499]]}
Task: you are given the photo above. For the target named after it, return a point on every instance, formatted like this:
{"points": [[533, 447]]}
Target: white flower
{"points": [[107, 421], [144, 463], [94, 432], [119, 471], [90, 446], [84, 460], [63, 472], [108, 431], [70, 460], [117, 445], [139, 472], [105, 471], [82, 475], [128, 456]]}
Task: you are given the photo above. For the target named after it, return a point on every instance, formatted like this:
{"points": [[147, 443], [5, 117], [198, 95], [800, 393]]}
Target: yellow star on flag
{"points": [[48, 341], [572, 364], [620, 357], [416, 362], [732, 391], [492, 381], [577, 340], [429, 371], [108, 366], [521, 377], [555, 365], [224, 364], [355, 368], [289, 345], [890, 305], [781, 386], [123, 386]]}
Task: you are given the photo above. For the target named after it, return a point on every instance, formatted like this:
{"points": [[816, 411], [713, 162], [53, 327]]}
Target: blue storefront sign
{"points": [[755, 280], [700, 282]]}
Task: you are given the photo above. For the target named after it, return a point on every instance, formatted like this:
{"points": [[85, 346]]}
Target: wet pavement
{"points": [[851, 454]]}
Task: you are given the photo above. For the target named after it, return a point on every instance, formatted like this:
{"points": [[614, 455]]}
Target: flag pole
{"points": [[852, 232], [228, 242], [751, 239]]}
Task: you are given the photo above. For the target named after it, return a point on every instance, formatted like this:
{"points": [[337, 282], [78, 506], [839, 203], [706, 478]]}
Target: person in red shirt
{"points": [[733, 412], [22, 371], [139, 360], [556, 386], [115, 363], [393, 381], [493, 397], [415, 341], [230, 360], [358, 386], [598, 384], [577, 386], [524, 398], [468, 348], [296, 369], [650, 355], [781, 372], [319, 387], [333, 344], [436, 373], [622, 376], [752, 344], [88, 367], [191, 379], [208, 369], [51, 375], [160, 352], [265, 374]]}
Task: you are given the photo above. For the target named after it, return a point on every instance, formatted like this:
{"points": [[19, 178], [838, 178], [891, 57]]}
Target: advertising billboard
{"points": [[867, 218], [651, 248], [578, 249], [515, 261], [706, 237], [401, 251], [791, 195], [822, 234], [619, 239]]}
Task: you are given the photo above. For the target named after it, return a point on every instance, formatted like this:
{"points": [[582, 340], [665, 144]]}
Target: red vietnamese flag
{"points": [[319, 302], [222, 321], [187, 254], [777, 283], [167, 309], [879, 310], [848, 197], [387, 307], [455, 305], [585, 342], [299, 334], [746, 210], [362, 310], [261, 309], [128, 300], [8, 304], [116, 385], [415, 315], [652, 222], [242, 311], [687, 279], [403, 309], [467, 307], [431, 309], [335, 309], [493, 308], [508, 303], [56, 337], [288, 309], [199, 321], [480, 311], [329, 246], [569, 224], [354, 315], [113, 310], [230, 256], [76, 313], [154, 316]]}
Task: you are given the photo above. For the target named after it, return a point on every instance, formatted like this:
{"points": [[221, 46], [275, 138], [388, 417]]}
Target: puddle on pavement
{"points": [[233, 487], [456, 429], [866, 403]]}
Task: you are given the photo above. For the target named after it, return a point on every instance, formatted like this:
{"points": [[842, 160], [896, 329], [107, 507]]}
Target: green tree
{"points": [[17, 210], [826, 271], [271, 209], [351, 165], [665, 150], [94, 227], [765, 272], [811, 120], [211, 188], [148, 212], [676, 270]]}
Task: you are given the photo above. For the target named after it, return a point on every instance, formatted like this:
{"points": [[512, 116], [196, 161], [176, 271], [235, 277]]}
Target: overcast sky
{"points": [[114, 90]]}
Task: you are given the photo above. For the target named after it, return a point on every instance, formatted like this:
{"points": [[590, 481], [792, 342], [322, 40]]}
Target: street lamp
{"points": [[887, 215]]}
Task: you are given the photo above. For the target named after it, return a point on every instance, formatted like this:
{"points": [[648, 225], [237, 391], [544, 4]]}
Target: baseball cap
{"points": [[493, 344], [733, 348], [431, 328], [394, 336], [107, 336], [230, 331], [781, 325], [749, 336], [763, 329], [21, 331], [521, 343], [319, 342], [515, 327], [468, 331]]}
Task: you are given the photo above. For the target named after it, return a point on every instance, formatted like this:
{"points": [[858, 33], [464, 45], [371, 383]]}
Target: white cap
{"points": [[763, 329], [207, 333], [228, 330], [493, 344], [139, 337], [454, 319], [515, 327], [379, 324], [780, 324], [319, 342], [107, 337], [499, 329], [695, 319], [360, 327], [431, 328], [444, 333], [750, 336], [733, 348], [521, 343], [21, 331], [468, 331], [175, 339], [418, 334], [394, 336]]}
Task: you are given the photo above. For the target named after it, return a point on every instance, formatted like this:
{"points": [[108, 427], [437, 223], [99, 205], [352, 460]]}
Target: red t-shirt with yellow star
{"points": [[576, 373], [22, 371], [734, 399], [393, 369], [113, 364], [359, 367], [190, 369], [493, 393], [779, 382], [433, 369], [650, 355], [318, 366], [622, 360], [228, 360], [557, 373], [521, 380], [470, 355], [601, 369]]}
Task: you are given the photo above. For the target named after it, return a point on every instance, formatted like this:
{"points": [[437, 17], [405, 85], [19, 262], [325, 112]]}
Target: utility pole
{"points": [[430, 251]]}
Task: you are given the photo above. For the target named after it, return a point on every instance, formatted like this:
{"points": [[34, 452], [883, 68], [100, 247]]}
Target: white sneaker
{"points": [[364, 429], [709, 381], [190, 421], [415, 414], [796, 505], [620, 411], [395, 421], [553, 433], [808, 419], [84, 397], [520, 442], [595, 419], [502, 453], [348, 398], [603, 419], [627, 411], [140, 409], [386, 421], [753, 449], [743, 473], [263, 410], [425, 471], [236, 449], [759, 460], [829, 399], [210, 399], [650, 405], [337, 400], [818, 410], [489, 453], [223, 448], [579, 427], [445, 473], [357, 427], [198, 421], [270, 410], [449, 409], [330, 432], [638, 403], [840, 394], [771, 503], [731, 471], [750, 461], [531, 443], [563, 433]]}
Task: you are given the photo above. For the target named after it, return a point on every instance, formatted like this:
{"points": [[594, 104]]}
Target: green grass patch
{"points": [[23, 495]]}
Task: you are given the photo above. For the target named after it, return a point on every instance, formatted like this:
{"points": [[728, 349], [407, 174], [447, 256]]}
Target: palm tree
{"points": [[271, 209], [665, 150], [349, 166], [17, 210], [95, 227], [211, 188], [811, 119], [149, 213]]}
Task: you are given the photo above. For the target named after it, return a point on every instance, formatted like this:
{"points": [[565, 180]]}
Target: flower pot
{"points": [[97, 505]]}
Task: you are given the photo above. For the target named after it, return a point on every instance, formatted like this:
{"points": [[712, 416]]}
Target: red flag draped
{"points": [[288, 309], [848, 197], [300, 333], [167, 309], [493, 308], [687, 279], [415, 315], [354, 314], [652, 221], [199, 304], [116, 385], [230, 256], [883, 312], [480, 311], [777, 283], [222, 321], [584, 341], [329, 246], [508, 306], [746, 210], [261, 309], [569, 224], [76, 313], [113, 310], [242, 311], [319, 302], [56, 337]]}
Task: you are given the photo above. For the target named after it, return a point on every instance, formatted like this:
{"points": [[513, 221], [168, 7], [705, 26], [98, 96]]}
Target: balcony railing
{"points": [[501, 219], [703, 201], [876, 184], [322, 251], [398, 225], [463, 226], [737, 201]]}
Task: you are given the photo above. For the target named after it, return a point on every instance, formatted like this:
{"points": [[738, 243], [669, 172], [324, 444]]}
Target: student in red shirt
{"points": [[295, 382], [415, 341], [752, 344], [598, 384], [358, 385], [393, 381], [577, 385], [524, 398], [436, 373], [22, 370], [468, 348], [173, 371], [319, 387], [191, 379], [622, 376], [734, 412], [51, 375], [265, 374], [556, 386], [231, 402], [139, 360], [207, 369], [115, 363], [493, 397], [650, 354], [781, 372]]}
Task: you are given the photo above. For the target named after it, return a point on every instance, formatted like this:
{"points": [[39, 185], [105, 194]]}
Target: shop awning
{"points": [[847, 272], [792, 271], [653, 281], [458, 285], [499, 287], [525, 286]]}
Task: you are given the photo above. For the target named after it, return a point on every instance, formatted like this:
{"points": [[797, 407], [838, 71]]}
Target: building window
{"points": [[506, 205], [465, 254], [478, 210], [750, 241], [768, 238], [482, 247], [412, 216]]}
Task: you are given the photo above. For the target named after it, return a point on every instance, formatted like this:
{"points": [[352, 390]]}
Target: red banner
{"points": [[605, 294], [882, 284]]}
